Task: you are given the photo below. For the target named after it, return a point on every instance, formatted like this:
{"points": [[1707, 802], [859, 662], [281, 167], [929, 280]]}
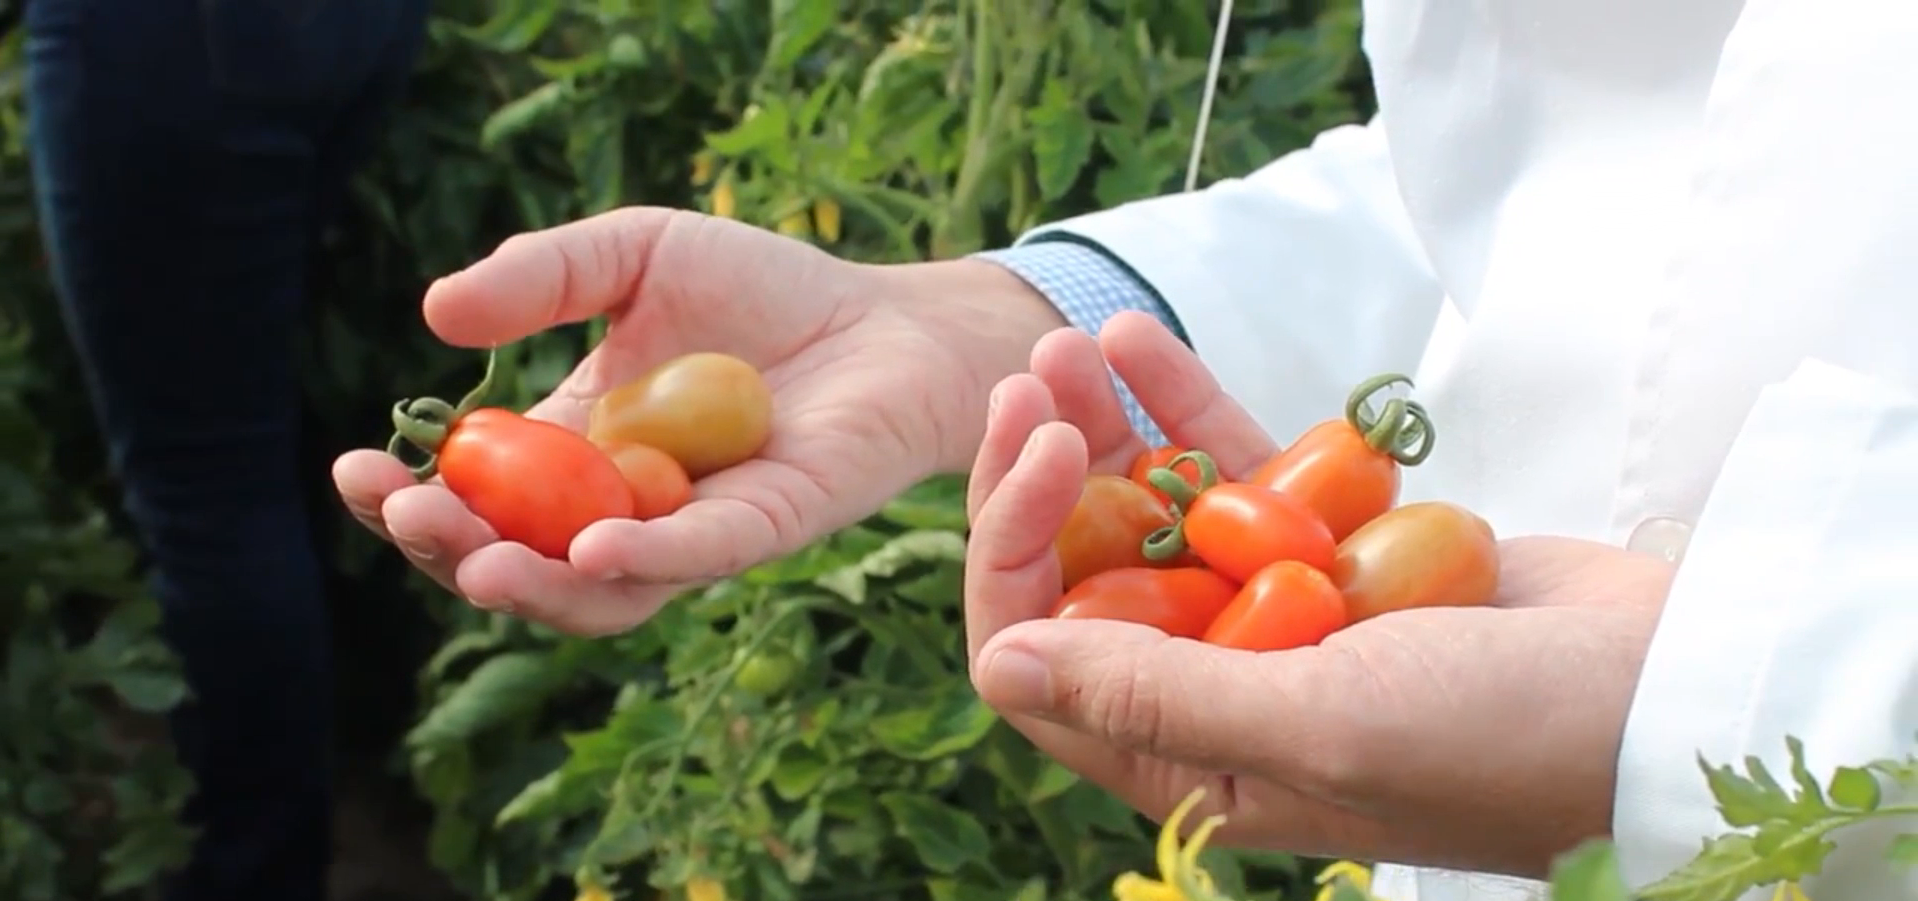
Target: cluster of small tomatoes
{"points": [[1309, 542], [540, 484]]}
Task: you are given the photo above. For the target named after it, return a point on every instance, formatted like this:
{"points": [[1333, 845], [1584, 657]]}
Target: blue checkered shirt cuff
{"points": [[1089, 286]]}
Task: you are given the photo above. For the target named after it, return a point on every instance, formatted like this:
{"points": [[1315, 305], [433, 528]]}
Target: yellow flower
{"points": [[825, 218], [1180, 877], [1356, 875], [702, 888], [702, 167], [723, 200], [1789, 891], [594, 893]]}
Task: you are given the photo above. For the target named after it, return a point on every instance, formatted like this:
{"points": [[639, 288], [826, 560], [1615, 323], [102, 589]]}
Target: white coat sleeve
{"points": [[1294, 283], [1794, 613]]}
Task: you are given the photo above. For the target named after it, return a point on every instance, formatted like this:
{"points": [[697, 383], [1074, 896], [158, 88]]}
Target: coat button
{"points": [[1661, 536]]}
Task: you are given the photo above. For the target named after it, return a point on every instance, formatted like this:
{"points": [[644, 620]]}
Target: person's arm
{"points": [[1794, 613], [1294, 283]]}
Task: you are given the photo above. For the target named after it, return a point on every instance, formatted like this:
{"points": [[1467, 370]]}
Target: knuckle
{"points": [[1125, 706]]}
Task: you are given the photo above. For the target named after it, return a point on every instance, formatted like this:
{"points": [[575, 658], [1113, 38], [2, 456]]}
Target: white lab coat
{"points": [[1654, 264]]}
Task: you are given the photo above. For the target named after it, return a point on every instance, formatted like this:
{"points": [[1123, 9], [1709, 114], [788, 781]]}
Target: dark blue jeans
{"points": [[186, 154]]}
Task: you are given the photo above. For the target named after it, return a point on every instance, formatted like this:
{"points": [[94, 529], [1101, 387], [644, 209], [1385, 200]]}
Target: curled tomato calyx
{"points": [[1402, 430], [1169, 542], [426, 421]]}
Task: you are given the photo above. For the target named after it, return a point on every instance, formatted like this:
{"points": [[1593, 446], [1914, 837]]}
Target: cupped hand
{"points": [[1472, 738], [878, 377]]}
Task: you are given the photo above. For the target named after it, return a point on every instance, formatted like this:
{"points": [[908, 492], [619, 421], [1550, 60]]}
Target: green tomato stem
{"points": [[1169, 542], [425, 422], [1402, 431]]}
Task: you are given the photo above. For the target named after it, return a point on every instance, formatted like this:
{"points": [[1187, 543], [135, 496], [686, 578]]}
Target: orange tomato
{"points": [[1158, 458], [660, 485], [1348, 469], [1108, 528], [1179, 602], [1286, 605], [709, 411], [1236, 528], [1428, 554]]}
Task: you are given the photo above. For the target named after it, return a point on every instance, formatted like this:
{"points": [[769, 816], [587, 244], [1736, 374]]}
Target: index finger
{"points": [[538, 280], [1181, 395]]}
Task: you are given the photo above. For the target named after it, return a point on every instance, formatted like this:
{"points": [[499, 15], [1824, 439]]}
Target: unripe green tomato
{"points": [[626, 52], [766, 673]]}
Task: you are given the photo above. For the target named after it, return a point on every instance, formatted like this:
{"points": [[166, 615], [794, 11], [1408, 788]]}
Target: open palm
{"points": [[1394, 739], [859, 385]]}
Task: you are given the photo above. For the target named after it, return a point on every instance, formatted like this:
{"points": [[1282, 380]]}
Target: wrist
{"points": [[988, 319]]}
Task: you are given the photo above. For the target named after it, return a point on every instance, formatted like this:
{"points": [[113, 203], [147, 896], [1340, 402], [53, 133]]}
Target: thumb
{"points": [[538, 280], [1174, 699]]}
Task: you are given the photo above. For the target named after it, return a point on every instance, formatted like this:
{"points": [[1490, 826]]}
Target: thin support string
{"points": [[1212, 70]]}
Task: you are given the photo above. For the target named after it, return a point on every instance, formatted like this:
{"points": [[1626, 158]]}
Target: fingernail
{"points": [[419, 547], [1019, 681], [992, 401], [502, 606]]}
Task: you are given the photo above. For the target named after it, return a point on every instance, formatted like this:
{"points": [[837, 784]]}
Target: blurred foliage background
{"points": [[802, 732]]}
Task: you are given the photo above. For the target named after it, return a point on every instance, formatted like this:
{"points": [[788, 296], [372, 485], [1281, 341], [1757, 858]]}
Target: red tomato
{"points": [[534, 482], [660, 485], [1427, 554], [1108, 528], [1347, 470], [1179, 602], [1287, 605], [1158, 458], [709, 411]]}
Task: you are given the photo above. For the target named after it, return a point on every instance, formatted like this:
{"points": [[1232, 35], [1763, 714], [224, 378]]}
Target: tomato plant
{"points": [[1286, 605], [1158, 458], [1426, 554], [1179, 602], [709, 411], [1234, 527], [660, 485], [1347, 469], [1108, 529], [534, 482]]}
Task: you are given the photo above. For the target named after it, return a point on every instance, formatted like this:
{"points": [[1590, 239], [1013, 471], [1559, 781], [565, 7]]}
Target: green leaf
{"points": [[1745, 802], [148, 690], [1589, 873], [945, 724], [596, 147], [766, 126], [945, 837], [1062, 139], [797, 27], [1903, 850], [1726, 868], [500, 690], [522, 114], [515, 25], [1053, 780], [800, 773], [1855, 788], [572, 67]]}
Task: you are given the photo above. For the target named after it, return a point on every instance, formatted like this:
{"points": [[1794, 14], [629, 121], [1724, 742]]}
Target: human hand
{"points": [[879, 375], [1472, 738]]}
